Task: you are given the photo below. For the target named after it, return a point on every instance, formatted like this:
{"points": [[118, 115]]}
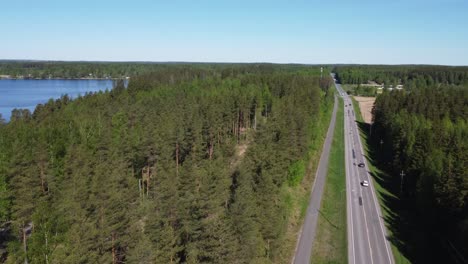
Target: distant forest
{"points": [[189, 164], [411, 76], [115, 70], [422, 137]]}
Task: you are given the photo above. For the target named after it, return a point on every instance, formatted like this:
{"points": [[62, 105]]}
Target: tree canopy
{"points": [[424, 138], [411, 76], [154, 173]]}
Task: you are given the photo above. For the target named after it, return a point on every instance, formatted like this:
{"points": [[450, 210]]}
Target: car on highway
{"points": [[365, 183], [361, 165]]}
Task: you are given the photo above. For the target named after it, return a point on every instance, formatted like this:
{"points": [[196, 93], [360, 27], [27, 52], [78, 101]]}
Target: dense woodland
{"points": [[424, 134], [115, 70], [75, 70], [411, 76], [156, 172]]}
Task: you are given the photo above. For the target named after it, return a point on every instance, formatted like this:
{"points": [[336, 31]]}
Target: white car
{"points": [[365, 183]]}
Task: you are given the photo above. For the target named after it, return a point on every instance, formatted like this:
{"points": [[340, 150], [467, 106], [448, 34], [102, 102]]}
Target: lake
{"points": [[29, 93]]}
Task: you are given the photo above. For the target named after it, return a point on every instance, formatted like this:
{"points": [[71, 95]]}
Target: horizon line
{"points": [[230, 62]]}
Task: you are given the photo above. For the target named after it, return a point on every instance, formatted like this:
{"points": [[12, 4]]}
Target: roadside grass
{"points": [[357, 110], [330, 245], [296, 197], [385, 191], [349, 87]]}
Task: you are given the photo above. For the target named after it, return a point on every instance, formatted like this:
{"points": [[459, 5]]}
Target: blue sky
{"points": [[346, 31]]}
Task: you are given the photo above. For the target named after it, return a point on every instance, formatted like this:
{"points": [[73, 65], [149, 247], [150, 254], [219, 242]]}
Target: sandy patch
{"points": [[241, 150], [365, 105]]}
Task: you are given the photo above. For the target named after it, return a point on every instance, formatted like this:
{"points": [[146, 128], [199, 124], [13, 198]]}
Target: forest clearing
{"points": [[365, 105]]}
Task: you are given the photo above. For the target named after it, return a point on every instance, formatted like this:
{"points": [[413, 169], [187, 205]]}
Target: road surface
{"points": [[307, 235], [367, 240]]}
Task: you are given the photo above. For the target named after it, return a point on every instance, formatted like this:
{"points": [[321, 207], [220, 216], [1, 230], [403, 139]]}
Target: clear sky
{"points": [[335, 31]]}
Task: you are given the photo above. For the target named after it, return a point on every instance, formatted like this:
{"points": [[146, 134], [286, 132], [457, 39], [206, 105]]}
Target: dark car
{"points": [[361, 165]]}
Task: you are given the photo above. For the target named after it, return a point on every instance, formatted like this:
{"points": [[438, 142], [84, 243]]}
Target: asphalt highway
{"points": [[367, 239]]}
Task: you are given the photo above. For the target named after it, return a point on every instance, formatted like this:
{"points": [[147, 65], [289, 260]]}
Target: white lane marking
{"points": [[365, 215], [357, 178], [363, 208], [348, 182], [377, 208]]}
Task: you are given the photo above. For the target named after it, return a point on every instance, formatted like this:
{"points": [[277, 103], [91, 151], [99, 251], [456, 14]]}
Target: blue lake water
{"points": [[29, 93]]}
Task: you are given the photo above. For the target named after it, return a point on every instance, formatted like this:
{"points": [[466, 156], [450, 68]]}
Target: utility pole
{"points": [[381, 155], [402, 174], [321, 71]]}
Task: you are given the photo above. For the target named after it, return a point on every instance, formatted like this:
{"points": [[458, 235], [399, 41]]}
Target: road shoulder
{"points": [[307, 234], [330, 244], [381, 192]]}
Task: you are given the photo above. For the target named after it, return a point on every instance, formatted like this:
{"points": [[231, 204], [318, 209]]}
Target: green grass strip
{"points": [[330, 245]]}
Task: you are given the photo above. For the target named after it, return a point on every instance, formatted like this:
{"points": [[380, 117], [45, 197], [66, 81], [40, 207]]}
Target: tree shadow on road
{"points": [[409, 231]]}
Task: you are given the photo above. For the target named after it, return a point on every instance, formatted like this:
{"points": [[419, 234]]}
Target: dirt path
{"points": [[365, 105], [240, 152]]}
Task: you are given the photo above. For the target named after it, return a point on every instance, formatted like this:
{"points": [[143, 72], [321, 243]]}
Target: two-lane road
{"points": [[307, 233], [367, 240]]}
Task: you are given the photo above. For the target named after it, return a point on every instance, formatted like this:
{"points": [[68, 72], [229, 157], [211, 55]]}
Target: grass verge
{"points": [[382, 192], [297, 197], [330, 245], [357, 110]]}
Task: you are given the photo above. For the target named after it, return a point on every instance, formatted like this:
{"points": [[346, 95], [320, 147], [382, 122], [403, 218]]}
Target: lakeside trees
{"points": [[74, 70], [424, 134], [77, 70], [154, 173]]}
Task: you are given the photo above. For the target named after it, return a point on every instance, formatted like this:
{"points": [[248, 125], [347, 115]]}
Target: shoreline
{"points": [[61, 78]]}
